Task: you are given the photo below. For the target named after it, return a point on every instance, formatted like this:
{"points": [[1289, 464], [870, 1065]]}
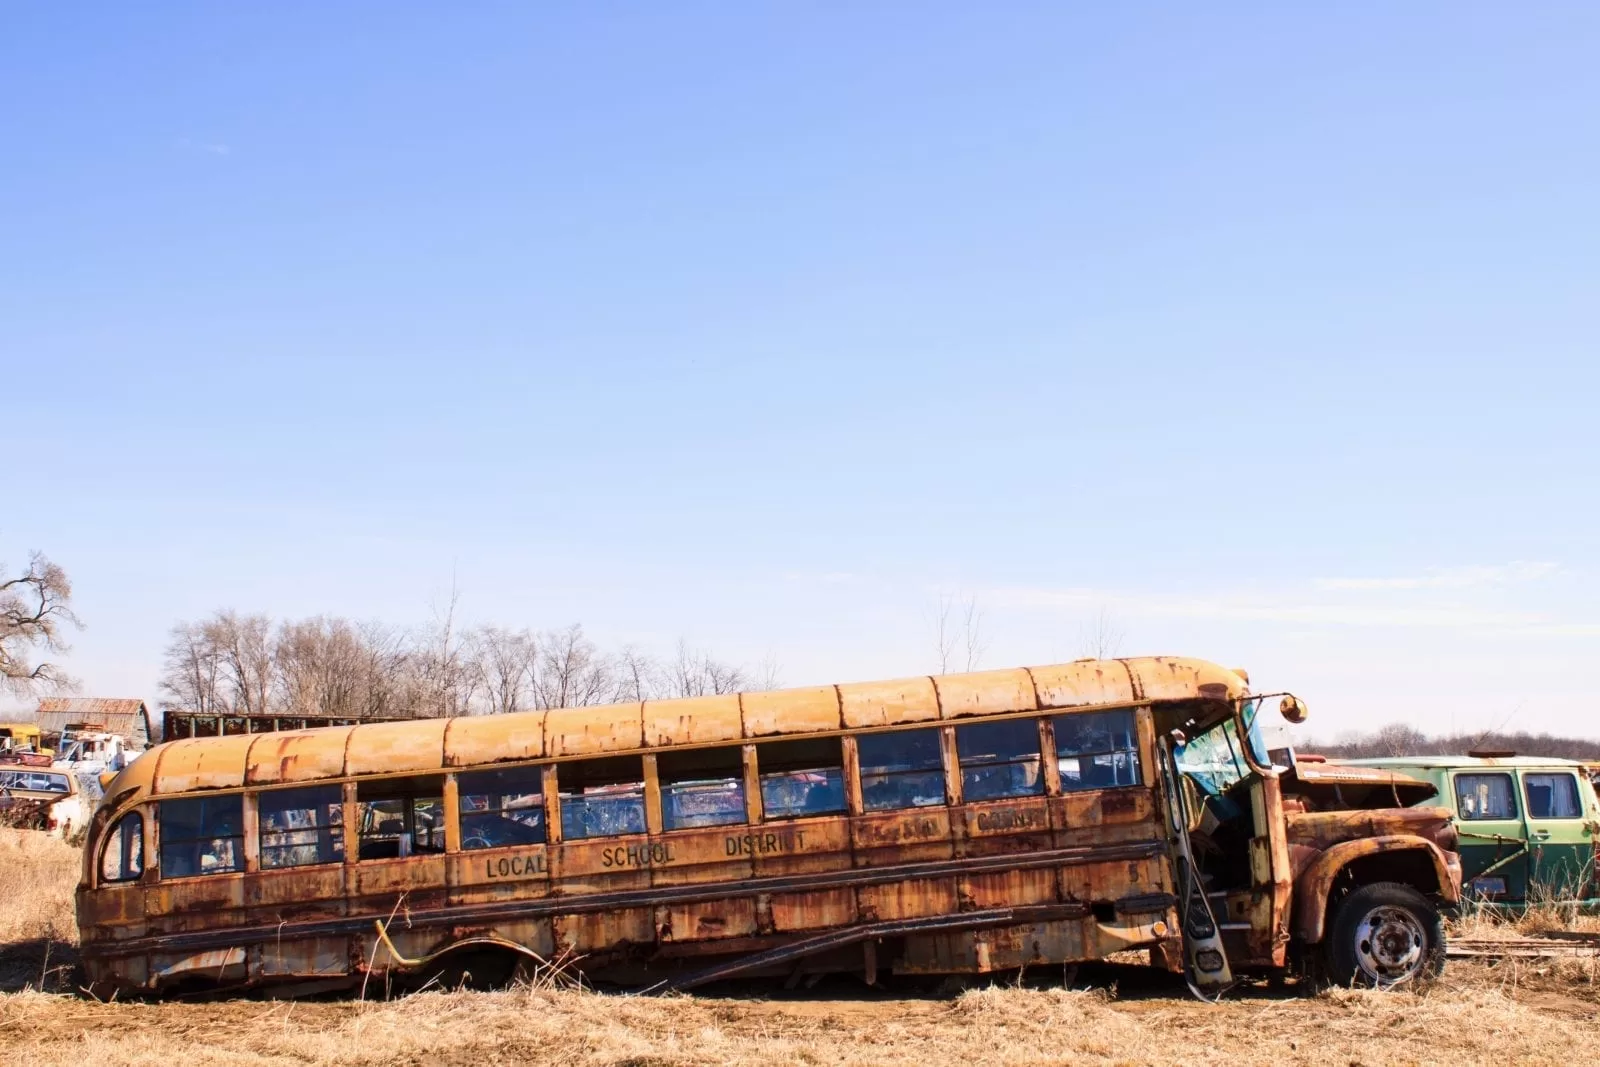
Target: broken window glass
{"points": [[601, 797], [701, 787]]}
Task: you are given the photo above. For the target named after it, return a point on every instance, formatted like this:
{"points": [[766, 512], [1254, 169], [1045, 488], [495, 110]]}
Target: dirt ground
{"points": [[1544, 1011]]}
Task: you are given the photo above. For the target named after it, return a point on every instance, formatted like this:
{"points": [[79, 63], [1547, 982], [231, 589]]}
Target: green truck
{"points": [[1529, 825]]}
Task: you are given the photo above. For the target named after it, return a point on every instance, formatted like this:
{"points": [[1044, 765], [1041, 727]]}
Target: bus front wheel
{"points": [[1385, 935]]}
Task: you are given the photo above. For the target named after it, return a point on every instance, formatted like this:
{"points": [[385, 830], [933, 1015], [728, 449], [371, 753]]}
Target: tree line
{"points": [[239, 664], [1399, 739]]}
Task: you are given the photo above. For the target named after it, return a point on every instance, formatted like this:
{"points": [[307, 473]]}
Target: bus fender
{"points": [[1315, 884]]}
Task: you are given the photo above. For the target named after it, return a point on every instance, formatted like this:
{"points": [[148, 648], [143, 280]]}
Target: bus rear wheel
{"points": [[1385, 935]]}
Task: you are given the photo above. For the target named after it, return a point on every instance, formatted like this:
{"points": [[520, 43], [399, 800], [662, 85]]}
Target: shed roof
{"points": [[421, 745], [127, 716]]}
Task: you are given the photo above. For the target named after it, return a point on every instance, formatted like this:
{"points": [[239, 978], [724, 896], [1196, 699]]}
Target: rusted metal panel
{"points": [[199, 903], [1109, 882], [480, 740], [1315, 885], [908, 836], [395, 747], [713, 920], [283, 759], [220, 965], [912, 899], [1081, 684], [1006, 889], [590, 731], [815, 910], [709, 854], [297, 892], [534, 934], [607, 864], [999, 826], [114, 912], [311, 957], [906, 700], [1173, 678], [379, 886], [604, 931], [985, 693], [693, 720], [814, 710], [795, 847], [204, 763], [1107, 816], [521, 872]]}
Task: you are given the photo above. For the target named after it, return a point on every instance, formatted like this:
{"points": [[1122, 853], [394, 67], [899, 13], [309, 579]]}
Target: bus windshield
{"points": [[1215, 759]]}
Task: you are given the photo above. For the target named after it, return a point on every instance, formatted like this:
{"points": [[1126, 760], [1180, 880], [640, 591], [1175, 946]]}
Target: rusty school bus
{"points": [[951, 825]]}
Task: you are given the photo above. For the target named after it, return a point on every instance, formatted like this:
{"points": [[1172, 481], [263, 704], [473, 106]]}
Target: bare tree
{"points": [[191, 672], [637, 676], [958, 633], [572, 673], [244, 649], [693, 673], [33, 607], [330, 667], [507, 666], [442, 681], [1101, 637]]}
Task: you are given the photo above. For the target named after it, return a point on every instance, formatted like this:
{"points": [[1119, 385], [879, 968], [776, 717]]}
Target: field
{"points": [[1544, 1011]]}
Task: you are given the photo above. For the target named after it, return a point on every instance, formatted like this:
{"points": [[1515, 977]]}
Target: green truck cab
{"points": [[1529, 825]]}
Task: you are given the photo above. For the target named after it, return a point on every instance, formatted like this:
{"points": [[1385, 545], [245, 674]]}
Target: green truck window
{"points": [[1485, 796]]}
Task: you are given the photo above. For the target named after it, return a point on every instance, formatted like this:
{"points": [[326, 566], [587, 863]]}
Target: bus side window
{"points": [[1000, 759], [801, 778], [901, 769], [503, 807], [400, 817], [201, 835], [122, 858], [701, 787], [299, 827], [1097, 750], [601, 797]]}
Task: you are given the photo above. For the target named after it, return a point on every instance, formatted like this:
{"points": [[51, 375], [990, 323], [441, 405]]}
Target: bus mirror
{"points": [[1292, 709]]}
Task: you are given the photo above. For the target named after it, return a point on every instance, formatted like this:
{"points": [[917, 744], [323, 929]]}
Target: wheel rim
{"points": [[1391, 945]]}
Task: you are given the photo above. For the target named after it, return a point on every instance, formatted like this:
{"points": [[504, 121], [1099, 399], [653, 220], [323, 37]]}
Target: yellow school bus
{"points": [[958, 824]]}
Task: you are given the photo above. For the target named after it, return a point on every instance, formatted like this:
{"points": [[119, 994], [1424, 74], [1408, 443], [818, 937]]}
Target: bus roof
{"points": [[422, 745]]}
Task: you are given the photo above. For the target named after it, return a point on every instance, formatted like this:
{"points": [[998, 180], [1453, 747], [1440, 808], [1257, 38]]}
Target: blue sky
{"points": [[1268, 331]]}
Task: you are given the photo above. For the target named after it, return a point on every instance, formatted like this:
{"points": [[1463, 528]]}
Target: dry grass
{"points": [[1534, 1012], [1480, 1021]]}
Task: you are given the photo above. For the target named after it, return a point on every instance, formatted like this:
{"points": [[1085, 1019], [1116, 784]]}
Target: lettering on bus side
{"points": [[653, 855], [764, 844], [1011, 819], [515, 866]]}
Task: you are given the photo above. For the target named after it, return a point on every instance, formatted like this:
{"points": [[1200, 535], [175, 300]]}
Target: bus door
{"points": [[1493, 837], [1563, 827]]}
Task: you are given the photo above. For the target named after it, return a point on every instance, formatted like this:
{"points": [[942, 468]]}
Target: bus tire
{"points": [[1385, 935]]}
